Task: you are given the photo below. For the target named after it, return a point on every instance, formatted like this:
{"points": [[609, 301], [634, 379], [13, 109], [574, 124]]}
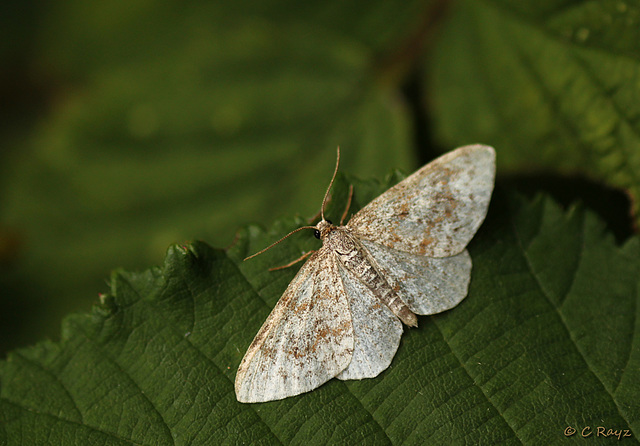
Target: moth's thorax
{"points": [[338, 239]]}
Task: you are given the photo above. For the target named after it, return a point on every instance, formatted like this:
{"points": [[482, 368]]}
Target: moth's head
{"points": [[323, 228]]}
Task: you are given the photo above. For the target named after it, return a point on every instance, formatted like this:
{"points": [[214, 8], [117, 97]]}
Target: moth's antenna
{"points": [[324, 202], [326, 194], [275, 243]]}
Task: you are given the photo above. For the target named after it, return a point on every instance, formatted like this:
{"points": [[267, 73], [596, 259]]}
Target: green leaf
{"points": [[547, 338], [553, 84]]}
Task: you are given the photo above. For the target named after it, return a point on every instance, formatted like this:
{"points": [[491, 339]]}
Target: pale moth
{"points": [[403, 254]]}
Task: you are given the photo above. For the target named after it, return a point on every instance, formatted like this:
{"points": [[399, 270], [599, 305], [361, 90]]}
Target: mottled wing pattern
{"points": [[436, 211], [306, 340], [428, 285], [376, 330]]}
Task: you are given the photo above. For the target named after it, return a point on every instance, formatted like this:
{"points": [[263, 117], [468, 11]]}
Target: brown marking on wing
{"points": [[425, 243], [330, 332]]}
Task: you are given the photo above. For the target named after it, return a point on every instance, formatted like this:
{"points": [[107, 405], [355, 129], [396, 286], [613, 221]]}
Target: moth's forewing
{"points": [[436, 211], [306, 340], [377, 331]]}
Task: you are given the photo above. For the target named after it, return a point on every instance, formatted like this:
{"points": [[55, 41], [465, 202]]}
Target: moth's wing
{"points": [[377, 331], [428, 285], [435, 211], [306, 340]]}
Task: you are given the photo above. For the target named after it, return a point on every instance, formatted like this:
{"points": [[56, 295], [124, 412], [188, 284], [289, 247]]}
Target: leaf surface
{"points": [[546, 339]]}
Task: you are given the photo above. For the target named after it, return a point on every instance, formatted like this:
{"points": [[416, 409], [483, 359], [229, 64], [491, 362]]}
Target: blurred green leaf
{"points": [[553, 84], [546, 339], [180, 124]]}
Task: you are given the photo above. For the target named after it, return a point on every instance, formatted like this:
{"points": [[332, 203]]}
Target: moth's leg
{"points": [[233, 242], [319, 213], [344, 214], [315, 217], [302, 257]]}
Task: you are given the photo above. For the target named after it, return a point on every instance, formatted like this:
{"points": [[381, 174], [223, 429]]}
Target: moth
{"points": [[400, 256]]}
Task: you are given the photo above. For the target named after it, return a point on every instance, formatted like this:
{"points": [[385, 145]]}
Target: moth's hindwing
{"points": [[376, 330], [427, 285]]}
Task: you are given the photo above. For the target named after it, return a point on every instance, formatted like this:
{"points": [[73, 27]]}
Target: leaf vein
{"points": [[48, 372], [560, 315]]}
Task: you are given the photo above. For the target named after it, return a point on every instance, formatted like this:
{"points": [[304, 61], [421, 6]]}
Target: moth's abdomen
{"points": [[358, 261], [391, 299]]}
